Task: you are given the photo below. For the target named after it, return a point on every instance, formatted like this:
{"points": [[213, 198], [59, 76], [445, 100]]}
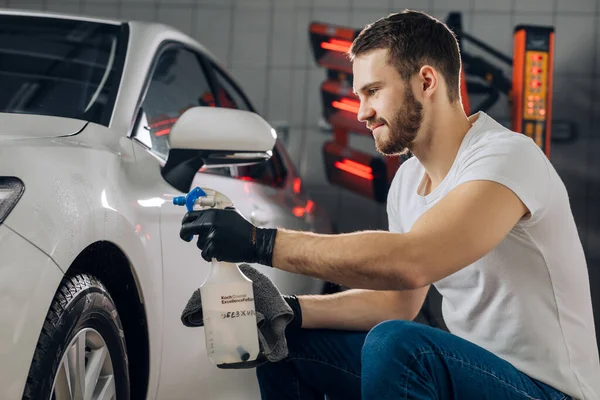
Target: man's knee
{"points": [[391, 342], [389, 352]]}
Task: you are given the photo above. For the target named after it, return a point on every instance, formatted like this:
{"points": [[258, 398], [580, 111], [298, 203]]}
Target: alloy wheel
{"points": [[85, 371]]}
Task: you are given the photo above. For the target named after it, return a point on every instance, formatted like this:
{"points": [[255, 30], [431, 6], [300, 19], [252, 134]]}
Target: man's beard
{"points": [[403, 129]]}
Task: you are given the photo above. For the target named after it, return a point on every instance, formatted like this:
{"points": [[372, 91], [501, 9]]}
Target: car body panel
{"points": [[28, 281], [185, 367], [28, 126], [92, 191]]}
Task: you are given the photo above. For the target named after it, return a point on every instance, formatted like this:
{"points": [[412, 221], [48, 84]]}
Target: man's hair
{"points": [[414, 39]]}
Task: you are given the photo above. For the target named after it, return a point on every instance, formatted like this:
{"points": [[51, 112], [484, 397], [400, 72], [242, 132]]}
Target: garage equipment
{"points": [[532, 83], [529, 93], [227, 295]]}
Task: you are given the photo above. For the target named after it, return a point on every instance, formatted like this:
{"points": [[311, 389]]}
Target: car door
{"points": [[177, 82]]}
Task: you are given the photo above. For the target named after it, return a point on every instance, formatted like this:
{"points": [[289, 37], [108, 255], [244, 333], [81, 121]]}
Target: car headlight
{"points": [[11, 190]]}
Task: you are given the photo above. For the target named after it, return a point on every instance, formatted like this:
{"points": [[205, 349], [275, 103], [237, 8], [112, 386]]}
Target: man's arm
{"points": [[462, 227], [359, 309]]}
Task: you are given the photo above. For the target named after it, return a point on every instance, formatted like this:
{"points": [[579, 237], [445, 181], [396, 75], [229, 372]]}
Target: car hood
{"points": [[31, 126]]}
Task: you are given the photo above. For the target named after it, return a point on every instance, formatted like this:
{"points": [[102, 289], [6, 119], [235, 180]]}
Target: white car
{"points": [[93, 274]]}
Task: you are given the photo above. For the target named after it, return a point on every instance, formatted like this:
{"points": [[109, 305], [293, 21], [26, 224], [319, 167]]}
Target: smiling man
{"points": [[479, 212]]}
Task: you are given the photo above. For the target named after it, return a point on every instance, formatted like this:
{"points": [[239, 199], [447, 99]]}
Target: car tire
{"points": [[82, 329]]}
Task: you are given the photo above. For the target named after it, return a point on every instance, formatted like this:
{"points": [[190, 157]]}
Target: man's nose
{"points": [[365, 111]]}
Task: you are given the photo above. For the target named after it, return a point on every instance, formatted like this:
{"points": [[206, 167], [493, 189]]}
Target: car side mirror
{"points": [[215, 137]]}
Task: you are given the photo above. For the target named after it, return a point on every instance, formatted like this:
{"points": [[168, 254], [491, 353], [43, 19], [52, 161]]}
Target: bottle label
{"points": [[235, 298], [230, 297], [238, 313], [240, 300]]}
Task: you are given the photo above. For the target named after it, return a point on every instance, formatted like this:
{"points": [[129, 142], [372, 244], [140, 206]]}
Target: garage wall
{"points": [[264, 43]]}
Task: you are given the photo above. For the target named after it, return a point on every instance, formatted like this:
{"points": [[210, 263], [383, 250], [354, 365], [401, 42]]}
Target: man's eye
{"points": [[372, 91]]}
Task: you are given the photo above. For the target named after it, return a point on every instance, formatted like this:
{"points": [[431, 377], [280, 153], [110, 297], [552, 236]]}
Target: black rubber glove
{"points": [[294, 304], [227, 236]]}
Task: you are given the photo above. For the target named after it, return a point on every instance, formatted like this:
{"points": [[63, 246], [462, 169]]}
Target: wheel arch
{"points": [[108, 263]]}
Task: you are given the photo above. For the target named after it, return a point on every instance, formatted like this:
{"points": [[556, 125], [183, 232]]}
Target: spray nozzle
{"points": [[189, 199]]}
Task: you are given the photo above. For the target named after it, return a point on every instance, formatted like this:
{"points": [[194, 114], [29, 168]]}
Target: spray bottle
{"points": [[227, 297]]}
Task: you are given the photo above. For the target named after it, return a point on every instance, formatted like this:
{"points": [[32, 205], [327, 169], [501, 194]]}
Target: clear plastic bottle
{"points": [[229, 315], [228, 310]]}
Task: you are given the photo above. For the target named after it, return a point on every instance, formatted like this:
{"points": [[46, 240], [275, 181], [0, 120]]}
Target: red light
{"points": [[347, 105], [357, 165], [329, 30], [536, 84], [542, 112], [297, 185], [337, 45], [245, 178], [536, 70], [354, 168], [298, 211], [163, 122], [536, 57], [163, 132]]}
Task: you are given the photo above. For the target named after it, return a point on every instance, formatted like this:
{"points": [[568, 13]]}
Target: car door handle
{"points": [[259, 218]]}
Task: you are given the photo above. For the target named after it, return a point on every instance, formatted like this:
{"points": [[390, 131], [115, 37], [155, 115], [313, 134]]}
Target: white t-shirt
{"points": [[528, 300]]}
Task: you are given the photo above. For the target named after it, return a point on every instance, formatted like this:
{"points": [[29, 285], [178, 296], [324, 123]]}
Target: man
{"points": [[479, 212]]}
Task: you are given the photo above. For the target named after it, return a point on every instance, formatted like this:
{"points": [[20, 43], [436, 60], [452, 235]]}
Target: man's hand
{"points": [[227, 236]]}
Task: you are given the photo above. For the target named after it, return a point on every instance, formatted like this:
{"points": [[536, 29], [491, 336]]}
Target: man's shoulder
{"points": [[496, 140], [492, 132]]}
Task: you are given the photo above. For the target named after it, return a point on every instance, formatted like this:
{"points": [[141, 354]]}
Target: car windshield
{"points": [[60, 67]]}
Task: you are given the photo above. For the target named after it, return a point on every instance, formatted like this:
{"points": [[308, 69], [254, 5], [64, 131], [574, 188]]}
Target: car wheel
{"points": [[81, 352]]}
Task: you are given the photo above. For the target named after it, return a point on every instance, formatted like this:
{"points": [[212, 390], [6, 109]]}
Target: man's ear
{"points": [[429, 80]]}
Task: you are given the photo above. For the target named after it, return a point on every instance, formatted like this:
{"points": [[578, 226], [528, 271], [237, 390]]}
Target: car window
{"points": [[227, 95], [178, 83], [270, 172], [60, 67]]}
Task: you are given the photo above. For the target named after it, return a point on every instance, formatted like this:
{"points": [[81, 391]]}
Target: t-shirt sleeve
{"points": [[517, 163]]}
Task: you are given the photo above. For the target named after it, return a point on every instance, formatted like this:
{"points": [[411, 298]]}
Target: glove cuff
{"points": [[294, 304], [264, 242]]}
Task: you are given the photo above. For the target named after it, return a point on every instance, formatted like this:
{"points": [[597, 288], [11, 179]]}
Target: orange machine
{"points": [[530, 93], [532, 83]]}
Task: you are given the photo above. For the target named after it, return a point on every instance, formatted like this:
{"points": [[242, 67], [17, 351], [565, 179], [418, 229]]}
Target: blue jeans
{"points": [[395, 360]]}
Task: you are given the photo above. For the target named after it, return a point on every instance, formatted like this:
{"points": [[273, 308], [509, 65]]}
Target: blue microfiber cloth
{"points": [[273, 314]]}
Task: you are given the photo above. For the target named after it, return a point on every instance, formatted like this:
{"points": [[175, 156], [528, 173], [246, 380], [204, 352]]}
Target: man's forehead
{"points": [[369, 67]]}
